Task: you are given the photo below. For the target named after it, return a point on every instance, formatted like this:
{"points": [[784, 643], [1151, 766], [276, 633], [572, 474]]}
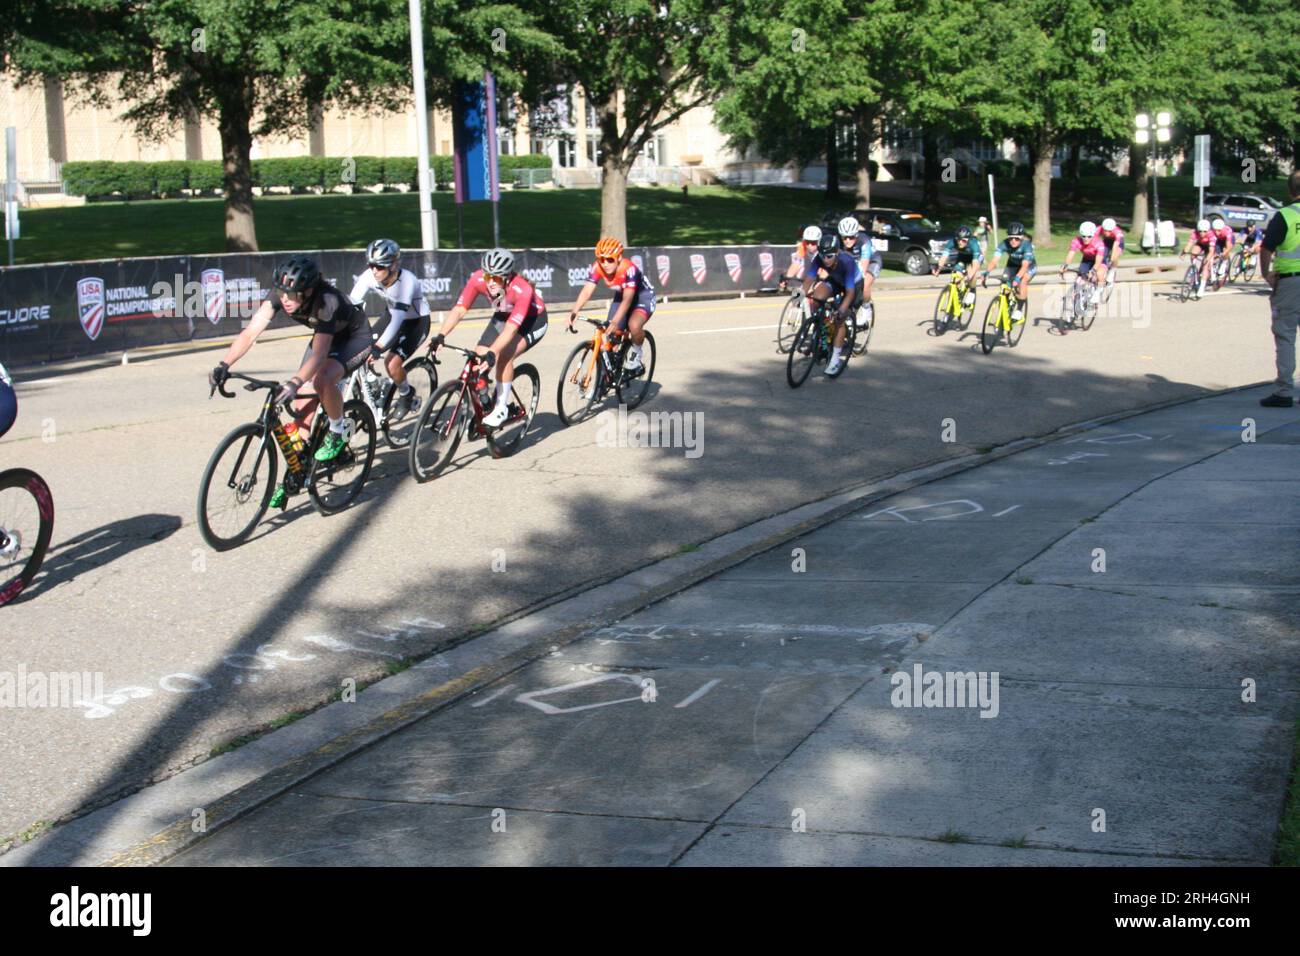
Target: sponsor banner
{"points": [[50, 313]]}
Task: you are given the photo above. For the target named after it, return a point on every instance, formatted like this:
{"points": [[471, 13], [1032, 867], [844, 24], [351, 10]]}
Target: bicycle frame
{"points": [[956, 290], [603, 342]]}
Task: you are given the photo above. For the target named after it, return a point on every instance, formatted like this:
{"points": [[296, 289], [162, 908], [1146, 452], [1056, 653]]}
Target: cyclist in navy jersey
{"points": [[834, 272]]}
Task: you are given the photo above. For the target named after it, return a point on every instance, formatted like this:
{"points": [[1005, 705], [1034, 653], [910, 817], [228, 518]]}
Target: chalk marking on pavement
{"points": [[898, 512], [492, 697], [1006, 511], [530, 697], [1076, 456], [699, 693]]}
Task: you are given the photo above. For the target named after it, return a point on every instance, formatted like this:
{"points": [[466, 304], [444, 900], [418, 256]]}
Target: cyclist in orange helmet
{"points": [[634, 296]]}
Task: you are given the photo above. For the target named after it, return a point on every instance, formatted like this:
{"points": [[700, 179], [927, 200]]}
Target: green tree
{"points": [[258, 67], [641, 64]]}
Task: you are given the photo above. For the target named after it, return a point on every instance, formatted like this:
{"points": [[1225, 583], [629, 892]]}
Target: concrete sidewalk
{"points": [[1130, 592]]}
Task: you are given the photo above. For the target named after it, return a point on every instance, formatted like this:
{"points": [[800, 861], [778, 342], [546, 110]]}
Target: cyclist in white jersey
{"points": [[408, 313]]}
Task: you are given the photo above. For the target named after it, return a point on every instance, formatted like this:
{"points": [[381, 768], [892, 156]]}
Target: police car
{"points": [[1239, 210]]}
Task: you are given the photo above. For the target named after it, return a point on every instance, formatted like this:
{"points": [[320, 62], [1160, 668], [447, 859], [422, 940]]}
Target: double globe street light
{"points": [[1143, 129]]}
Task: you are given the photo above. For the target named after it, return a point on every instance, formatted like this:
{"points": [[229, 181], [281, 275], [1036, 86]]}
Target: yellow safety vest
{"points": [[1286, 257]]}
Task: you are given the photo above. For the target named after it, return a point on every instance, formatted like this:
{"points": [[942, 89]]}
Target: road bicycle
{"points": [[793, 314], [814, 343], [1187, 289], [1112, 274], [998, 320], [1244, 264], [381, 397], [26, 525], [1220, 273], [951, 307], [457, 408], [1080, 299], [240, 476], [596, 368]]}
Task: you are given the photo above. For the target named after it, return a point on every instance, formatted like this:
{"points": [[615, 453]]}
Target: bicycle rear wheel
{"points": [[26, 524], [441, 425], [805, 351], [236, 486], [423, 376], [527, 386], [788, 325], [633, 389], [333, 485], [580, 383], [863, 339]]}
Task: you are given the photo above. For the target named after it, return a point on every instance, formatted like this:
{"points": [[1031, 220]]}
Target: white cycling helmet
{"points": [[849, 227], [1087, 229], [1108, 224], [812, 234], [498, 262], [1202, 225], [1217, 223]]}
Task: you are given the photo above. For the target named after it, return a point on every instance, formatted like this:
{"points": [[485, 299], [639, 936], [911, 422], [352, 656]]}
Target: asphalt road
{"points": [[197, 648]]}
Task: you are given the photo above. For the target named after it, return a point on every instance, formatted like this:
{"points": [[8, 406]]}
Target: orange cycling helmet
{"points": [[609, 247]]}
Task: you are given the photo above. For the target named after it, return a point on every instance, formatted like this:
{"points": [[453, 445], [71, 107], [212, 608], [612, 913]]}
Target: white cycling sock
{"points": [[336, 425], [839, 353], [503, 393], [634, 352]]}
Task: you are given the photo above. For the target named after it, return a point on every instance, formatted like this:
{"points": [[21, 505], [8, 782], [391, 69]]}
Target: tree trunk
{"points": [[614, 169], [864, 128], [1072, 173], [931, 201], [235, 123], [832, 166], [1044, 151], [1137, 174]]}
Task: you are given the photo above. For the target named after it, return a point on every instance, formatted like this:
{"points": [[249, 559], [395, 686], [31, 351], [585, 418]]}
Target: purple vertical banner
{"points": [[473, 114]]}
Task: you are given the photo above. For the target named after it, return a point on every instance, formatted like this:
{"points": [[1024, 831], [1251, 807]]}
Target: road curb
{"points": [[478, 659]]}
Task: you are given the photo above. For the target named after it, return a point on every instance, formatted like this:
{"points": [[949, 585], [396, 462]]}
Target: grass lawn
{"points": [[539, 218]]}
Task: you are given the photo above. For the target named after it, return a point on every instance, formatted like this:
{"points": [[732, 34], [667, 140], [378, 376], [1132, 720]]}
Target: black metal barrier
{"points": [[72, 310]]}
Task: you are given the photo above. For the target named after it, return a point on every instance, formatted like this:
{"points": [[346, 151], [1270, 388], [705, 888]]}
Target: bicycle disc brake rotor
{"points": [[11, 542]]}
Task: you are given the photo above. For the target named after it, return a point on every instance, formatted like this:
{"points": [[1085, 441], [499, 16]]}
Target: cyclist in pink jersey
{"points": [[1202, 242], [518, 323], [1092, 252]]}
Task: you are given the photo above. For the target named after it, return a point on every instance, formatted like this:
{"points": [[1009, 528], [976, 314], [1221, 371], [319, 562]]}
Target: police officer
{"points": [[1280, 264]]}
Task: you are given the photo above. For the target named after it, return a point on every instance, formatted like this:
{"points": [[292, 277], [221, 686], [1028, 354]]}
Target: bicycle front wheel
{"points": [[1017, 328], [863, 339], [335, 484], [634, 387], [943, 309], [439, 430], [992, 326], [967, 312], [236, 486], [580, 383], [804, 352], [1248, 268], [527, 386], [26, 524], [398, 428], [1088, 307], [1188, 285], [788, 326]]}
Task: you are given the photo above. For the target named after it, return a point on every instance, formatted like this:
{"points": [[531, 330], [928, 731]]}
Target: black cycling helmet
{"points": [[963, 232], [297, 275], [1016, 229], [828, 243], [383, 252]]}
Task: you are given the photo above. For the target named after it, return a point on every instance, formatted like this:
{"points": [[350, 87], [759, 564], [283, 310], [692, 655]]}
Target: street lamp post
{"points": [[1143, 128]]}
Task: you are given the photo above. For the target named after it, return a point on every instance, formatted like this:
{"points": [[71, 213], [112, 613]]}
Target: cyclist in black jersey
{"points": [[340, 342]]}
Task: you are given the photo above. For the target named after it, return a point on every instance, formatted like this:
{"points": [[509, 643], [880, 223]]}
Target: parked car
{"points": [[906, 238], [1241, 209]]}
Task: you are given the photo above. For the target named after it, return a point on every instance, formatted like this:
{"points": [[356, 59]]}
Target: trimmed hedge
{"points": [[106, 180]]}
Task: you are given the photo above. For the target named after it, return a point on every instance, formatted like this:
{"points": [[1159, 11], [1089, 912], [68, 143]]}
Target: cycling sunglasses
{"points": [[607, 258]]}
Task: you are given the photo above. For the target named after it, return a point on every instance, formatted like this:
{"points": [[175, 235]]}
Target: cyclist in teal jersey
{"points": [[1022, 265]]}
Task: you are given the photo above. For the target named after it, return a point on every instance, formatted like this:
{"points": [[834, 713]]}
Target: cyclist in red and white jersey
{"points": [[518, 323], [804, 249], [1092, 252], [634, 296], [1202, 242]]}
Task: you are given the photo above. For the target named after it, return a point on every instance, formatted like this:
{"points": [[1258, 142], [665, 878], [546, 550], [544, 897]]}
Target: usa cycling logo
{"points": [[640, 266], [90, 306], [664, 265], [214, 294], [733, 266], [698, 268], [765, 263]]}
